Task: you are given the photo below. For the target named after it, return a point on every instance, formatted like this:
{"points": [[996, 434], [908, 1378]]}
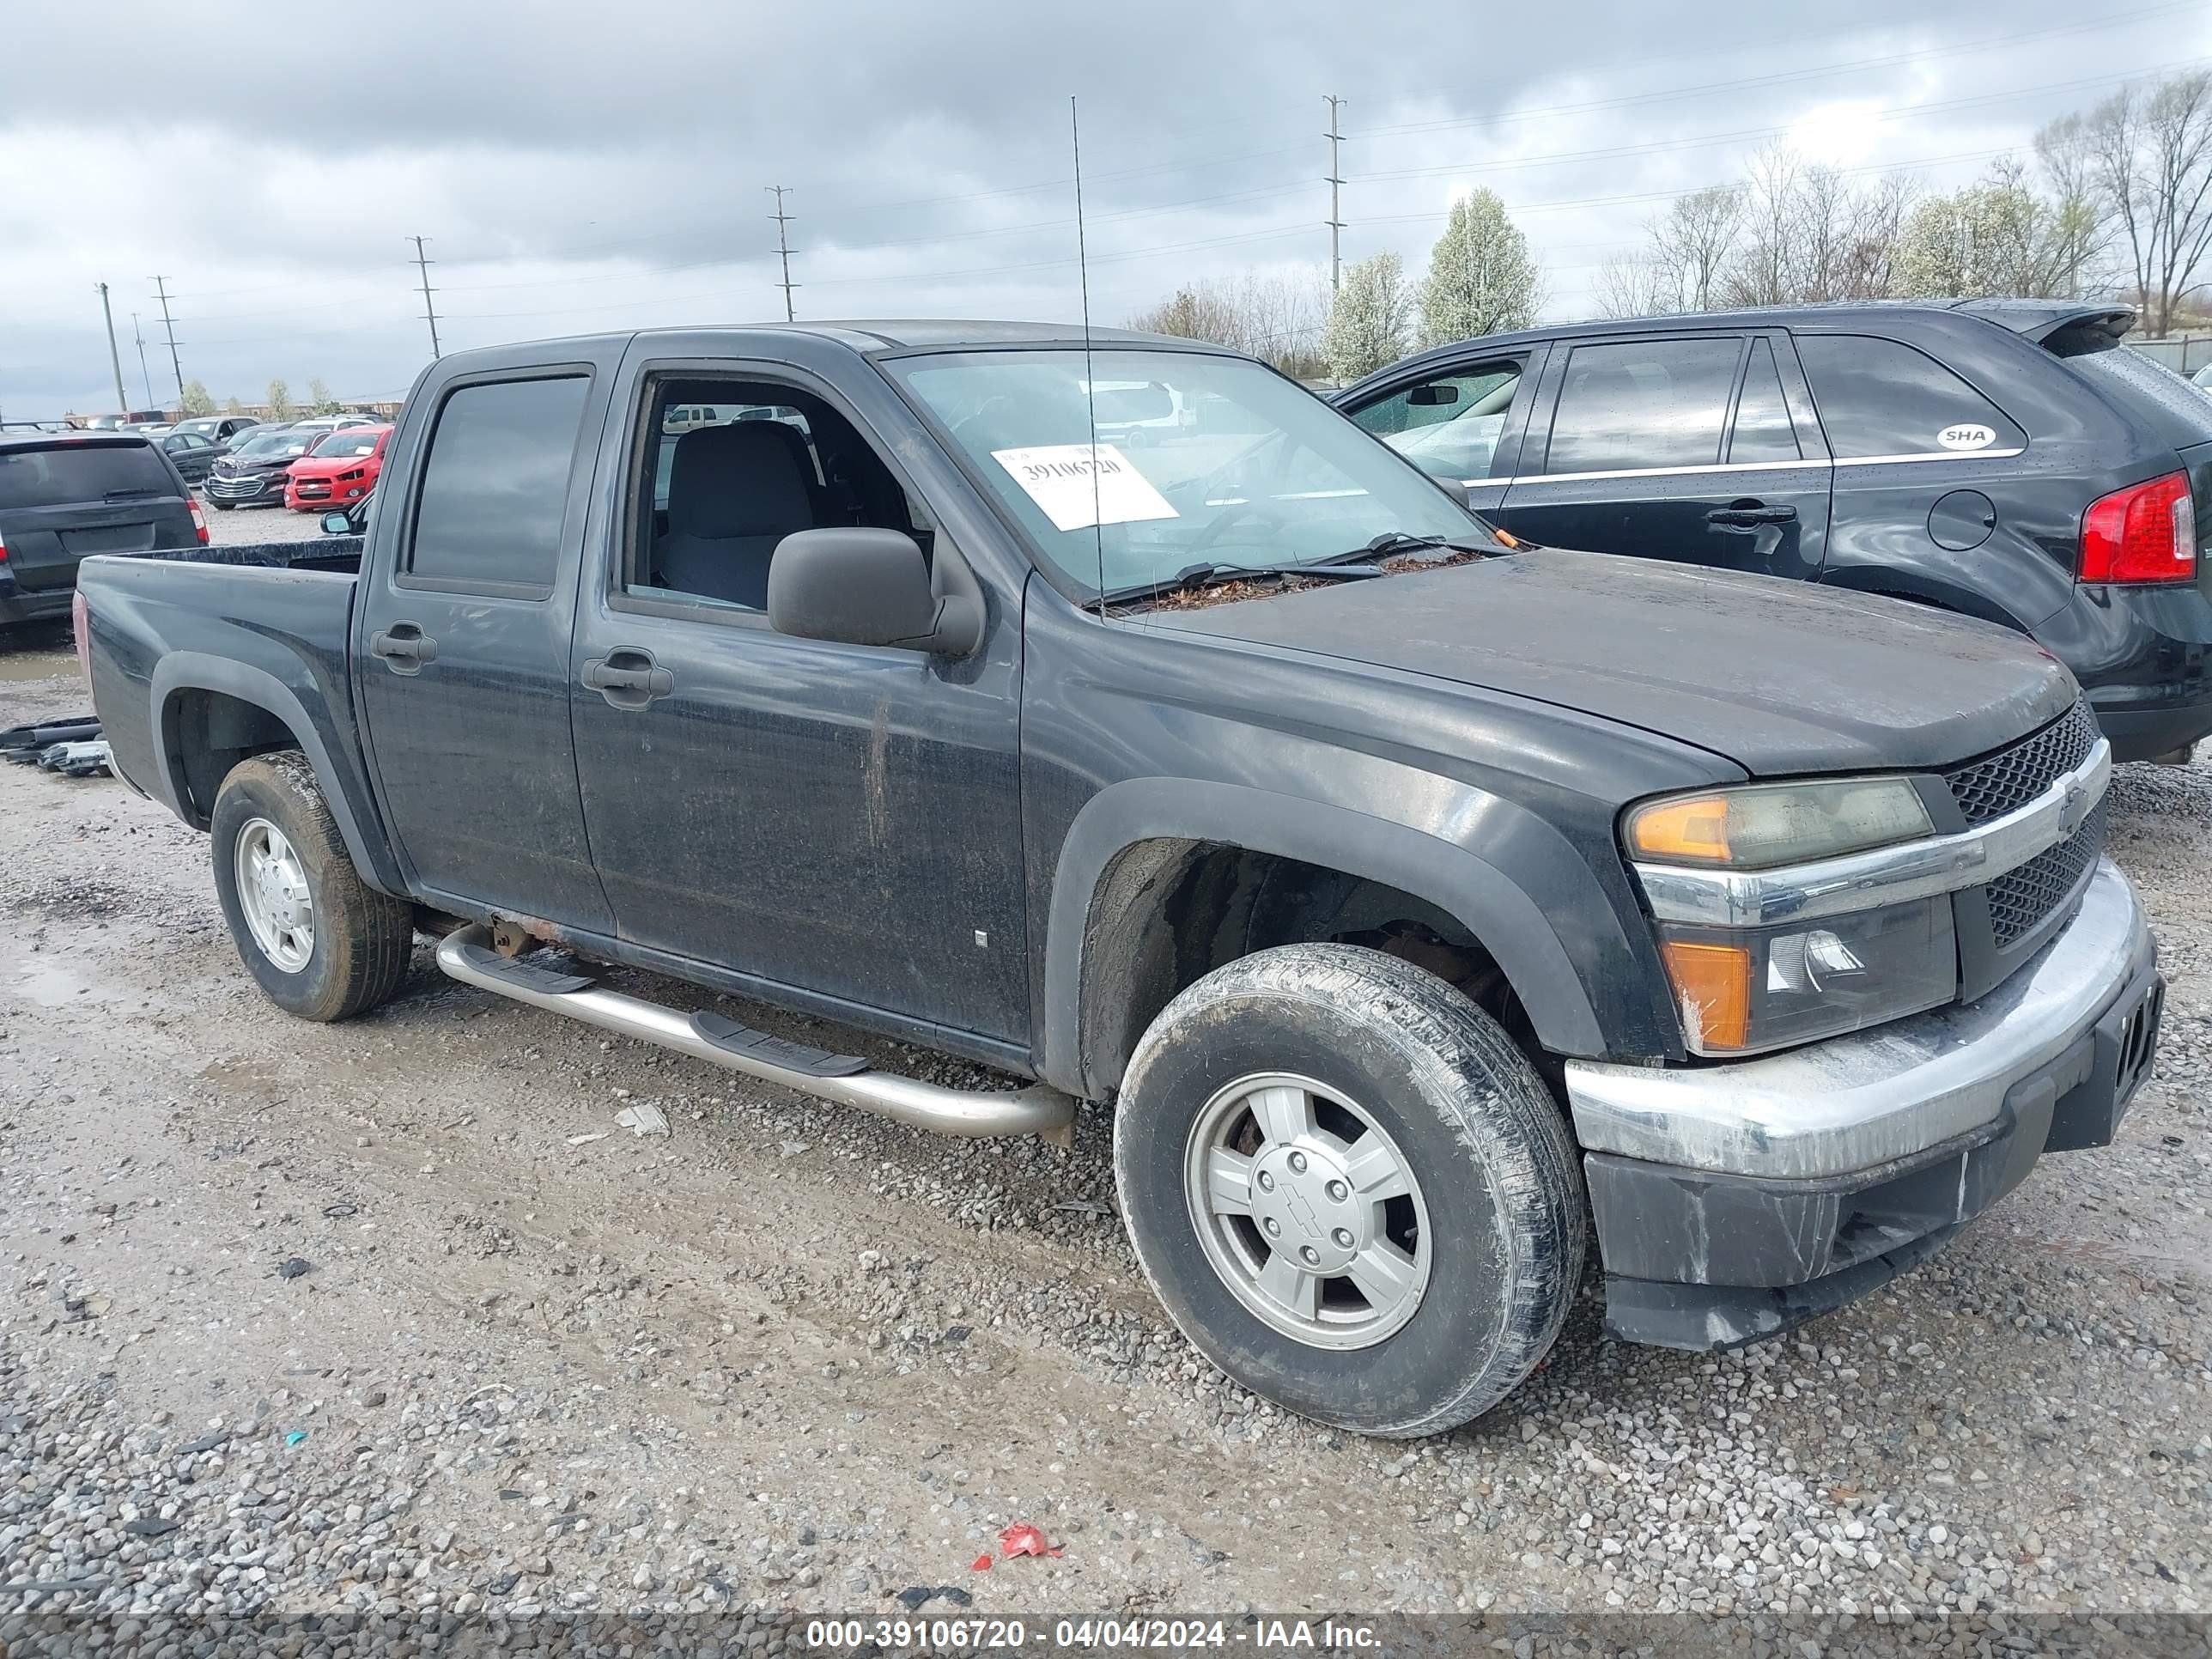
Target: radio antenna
{"points": [[1090, 379]]}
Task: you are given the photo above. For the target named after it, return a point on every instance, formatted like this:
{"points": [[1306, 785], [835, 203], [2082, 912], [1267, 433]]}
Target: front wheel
{"points": [[320, 941], [1349, 1189]]}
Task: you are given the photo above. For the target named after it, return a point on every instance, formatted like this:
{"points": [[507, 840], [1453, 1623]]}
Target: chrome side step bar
{"points": [[466, 955]]}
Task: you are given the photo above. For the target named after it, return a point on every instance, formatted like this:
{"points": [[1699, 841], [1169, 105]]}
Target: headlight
{"points": [[1743, 990], [1769, 823]]}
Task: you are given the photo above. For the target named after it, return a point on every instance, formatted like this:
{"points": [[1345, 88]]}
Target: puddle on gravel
{"points": [[20, 667], [51, 982]]}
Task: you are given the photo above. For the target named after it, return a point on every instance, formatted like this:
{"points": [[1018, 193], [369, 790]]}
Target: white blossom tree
{"points": [[1481, 279], [1371, 322]]}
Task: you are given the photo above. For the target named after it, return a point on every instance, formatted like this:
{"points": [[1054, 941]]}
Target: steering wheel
{"points": [[1267, 517]]}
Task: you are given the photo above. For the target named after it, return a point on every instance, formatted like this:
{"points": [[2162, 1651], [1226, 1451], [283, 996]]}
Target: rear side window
{"points": [[1763, 432], [70, 473], [1643, 403], [495, 484], [2178, 411], [1882, 398]]}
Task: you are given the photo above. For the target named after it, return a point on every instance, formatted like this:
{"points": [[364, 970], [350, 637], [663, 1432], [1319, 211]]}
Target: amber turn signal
{"points": [[1713, 987], [1693, 827]]}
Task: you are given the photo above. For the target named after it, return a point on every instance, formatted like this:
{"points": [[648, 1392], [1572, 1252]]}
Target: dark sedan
{"points": [[254, 474], [2005, 459]]}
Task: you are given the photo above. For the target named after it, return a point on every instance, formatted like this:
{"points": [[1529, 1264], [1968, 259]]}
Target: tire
{"points": [[354, 948], [1496, 1212]]}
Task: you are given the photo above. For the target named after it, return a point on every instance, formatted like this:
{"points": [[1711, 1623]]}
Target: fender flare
{"points": [[1501, 912], [197, 671]]}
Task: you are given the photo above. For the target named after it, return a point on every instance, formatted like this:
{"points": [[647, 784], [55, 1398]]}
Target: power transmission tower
{"points": [[144, 373], [161, 292], [429, 311], [783, 248], [1335, 183], [114, 357]]}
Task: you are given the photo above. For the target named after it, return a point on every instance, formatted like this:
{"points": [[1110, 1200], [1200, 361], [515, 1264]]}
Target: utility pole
{"points": [[1335, 184], [429, 311], [144, 373], [783, 248], [161, 292], [114, 357]]}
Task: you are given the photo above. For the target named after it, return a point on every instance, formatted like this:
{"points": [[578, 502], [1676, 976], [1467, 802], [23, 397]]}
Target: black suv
{"points": [[65, 496], [2002, 459]]}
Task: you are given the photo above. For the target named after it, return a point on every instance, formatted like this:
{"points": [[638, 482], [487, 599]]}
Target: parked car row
{"points": [[306, 465]]}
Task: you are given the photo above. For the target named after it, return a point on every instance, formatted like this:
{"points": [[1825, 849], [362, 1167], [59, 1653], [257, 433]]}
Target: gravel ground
{"points": [[391, 1316], [258, 523]]}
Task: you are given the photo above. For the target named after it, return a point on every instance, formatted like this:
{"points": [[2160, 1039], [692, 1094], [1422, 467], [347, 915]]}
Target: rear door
{"points": [[65, 501], [461, 646], [1698, 447], [1463, 424]]}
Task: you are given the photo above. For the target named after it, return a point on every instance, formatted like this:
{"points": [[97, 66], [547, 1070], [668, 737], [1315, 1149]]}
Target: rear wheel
{"points": [[1349, 1189], [321, 942]]}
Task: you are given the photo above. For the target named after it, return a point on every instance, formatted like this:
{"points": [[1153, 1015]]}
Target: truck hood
{"points": [[1781, 678]]}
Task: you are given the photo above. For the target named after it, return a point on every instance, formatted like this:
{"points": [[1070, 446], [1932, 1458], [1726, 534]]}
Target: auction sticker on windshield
{"points": [[1078, 485]]}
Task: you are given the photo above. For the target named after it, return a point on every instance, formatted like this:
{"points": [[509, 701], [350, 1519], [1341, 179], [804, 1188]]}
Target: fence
{"points": [[2184, 353]]}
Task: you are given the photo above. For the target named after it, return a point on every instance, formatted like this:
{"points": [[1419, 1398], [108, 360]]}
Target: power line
{"points": [[1335, 183], [430, 311], [783, 250], [161, 292]]}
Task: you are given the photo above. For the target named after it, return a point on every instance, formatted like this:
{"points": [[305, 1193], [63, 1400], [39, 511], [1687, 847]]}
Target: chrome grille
{"points": [[2009, 780], [2020, 899]]}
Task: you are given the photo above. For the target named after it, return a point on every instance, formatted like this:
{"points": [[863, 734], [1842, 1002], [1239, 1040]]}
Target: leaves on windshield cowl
{"points": [[1268, 586]]}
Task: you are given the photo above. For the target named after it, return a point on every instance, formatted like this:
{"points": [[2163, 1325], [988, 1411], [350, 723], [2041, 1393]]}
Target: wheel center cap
{"points": [[1304, 1204]]}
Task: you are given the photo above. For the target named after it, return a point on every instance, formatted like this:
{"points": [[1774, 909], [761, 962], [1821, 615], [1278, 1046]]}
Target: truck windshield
{"points": [[1199, 460]]}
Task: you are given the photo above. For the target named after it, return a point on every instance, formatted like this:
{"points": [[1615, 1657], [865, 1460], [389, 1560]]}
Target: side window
{"points": [[495, 481], [729, 468], [1762, 432], [1879, 397], [1450, 426], [1643, 403]]}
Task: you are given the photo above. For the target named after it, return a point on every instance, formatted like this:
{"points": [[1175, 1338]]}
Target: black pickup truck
{"points": [[1415, 899]]}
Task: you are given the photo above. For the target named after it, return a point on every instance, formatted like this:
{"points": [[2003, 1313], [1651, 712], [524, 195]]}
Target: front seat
{"points": [[733, 493]]}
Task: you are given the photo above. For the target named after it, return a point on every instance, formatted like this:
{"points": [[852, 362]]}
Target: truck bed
{"points": [[250, 641]]}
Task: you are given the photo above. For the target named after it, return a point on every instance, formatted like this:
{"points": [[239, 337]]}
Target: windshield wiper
{"points": [[125, 495]]}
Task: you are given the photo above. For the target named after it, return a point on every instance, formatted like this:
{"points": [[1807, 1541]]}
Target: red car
{"points": [[338, 470]]}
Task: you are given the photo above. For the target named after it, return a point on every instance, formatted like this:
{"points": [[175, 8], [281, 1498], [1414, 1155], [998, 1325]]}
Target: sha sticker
{"points": [[1966, 435], [1078, 485]]}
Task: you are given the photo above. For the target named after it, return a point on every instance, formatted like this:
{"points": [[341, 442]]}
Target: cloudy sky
{"points": [[580, 167]]}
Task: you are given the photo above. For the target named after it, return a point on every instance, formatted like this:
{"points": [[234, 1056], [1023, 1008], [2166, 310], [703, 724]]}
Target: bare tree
{"points": [[2081, 228], [1807, 233], [1275, 315], [1636, 285], [2151, 155], [1693, 239]]}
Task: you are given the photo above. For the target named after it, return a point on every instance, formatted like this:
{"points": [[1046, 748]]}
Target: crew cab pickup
{"points": [[1411, 899]]}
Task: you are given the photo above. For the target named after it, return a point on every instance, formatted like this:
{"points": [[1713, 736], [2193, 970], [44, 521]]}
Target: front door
{"points": [[840, 820], [461, 647], [1693, 447]]}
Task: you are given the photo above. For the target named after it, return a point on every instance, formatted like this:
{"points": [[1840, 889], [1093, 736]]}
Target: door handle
{"points": [[405, 647], [628, 678], [1745, 515]]}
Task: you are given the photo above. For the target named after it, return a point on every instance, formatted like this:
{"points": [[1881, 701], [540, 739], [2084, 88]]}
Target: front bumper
{"points": [[246, 487], [1734, 1200]]}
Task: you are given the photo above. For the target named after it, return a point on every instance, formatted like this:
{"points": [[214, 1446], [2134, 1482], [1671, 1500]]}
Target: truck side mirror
{"points": [[339, 523], [863, 587]]}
